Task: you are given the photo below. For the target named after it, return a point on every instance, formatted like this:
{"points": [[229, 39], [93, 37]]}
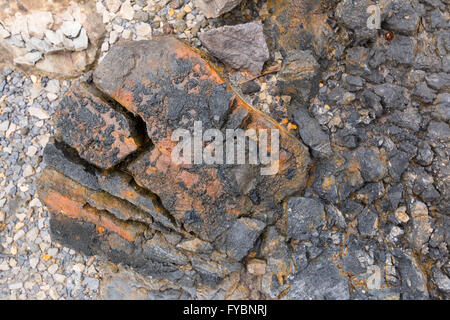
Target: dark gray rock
{"points": [[392, 96], [241, 237], [250, 87], [401, 17], [413, 281], [398, 162], [239, 46], [305, 217], [423, 93], [350, 209], [70, 165], [424, 155], [368, 222], [441, 280], [353, 15], [312, 134], [372, 166], [297, 74], [401, 50], [320, 280], [438, 81]]}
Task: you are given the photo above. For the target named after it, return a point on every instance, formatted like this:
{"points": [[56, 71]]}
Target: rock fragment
{"points": [[226, 44], [214, 9], [100, 134]]}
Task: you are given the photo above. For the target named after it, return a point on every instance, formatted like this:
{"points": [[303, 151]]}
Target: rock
{"points": [[250, 87], [101, 135], [372, 164], [59, 60], [144, 30], [214, 9], [297, 74], [256, 266], [305, 216], [402, 50], [438, 81], [71, 29], [126, 11], [354, 15], [299, 25], [210, 214], [38, 113], [368, 222], [392, 96], [311, 134], [424, 155], [413, 280], [29, 59], [4, 33], [401, 17], [421, 226], [425, 94], [81, 43], [441, 280], [53, 86], [113, 5], [320, 280], [241, 237], [226, 44], [38, 22], [55, 38]]}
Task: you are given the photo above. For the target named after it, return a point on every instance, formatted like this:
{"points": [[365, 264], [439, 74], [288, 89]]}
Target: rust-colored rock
{"points": [[100, 134], [170, 86]]}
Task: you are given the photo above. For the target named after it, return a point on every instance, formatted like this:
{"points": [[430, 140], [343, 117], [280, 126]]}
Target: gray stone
{"points": [[392, 96], [241, 237], [305, 217], [312, 134], [353, 15], [423, 93], [441, 280], [227, 43], [372, 167], [438, 81], [320, 280], [401, 50], [368, 222], [402, 18]]}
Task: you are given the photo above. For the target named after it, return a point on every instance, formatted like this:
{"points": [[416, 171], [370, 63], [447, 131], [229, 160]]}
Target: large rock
{"points": [[113, 189], [226, 43], [174, 93]]}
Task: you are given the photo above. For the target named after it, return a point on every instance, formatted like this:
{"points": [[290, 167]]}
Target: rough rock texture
{"points": [[240, 46], [189, 224], [56, 38], [215, 8], [368, 220]]}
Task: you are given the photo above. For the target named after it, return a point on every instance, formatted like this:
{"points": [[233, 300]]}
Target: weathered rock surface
{"points": [[227, 43], [111, 135], [215, 8], [189, 225]]}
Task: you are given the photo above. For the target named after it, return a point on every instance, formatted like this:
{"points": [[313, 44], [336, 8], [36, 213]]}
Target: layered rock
{"points": [[56, 38], [192, 224]]}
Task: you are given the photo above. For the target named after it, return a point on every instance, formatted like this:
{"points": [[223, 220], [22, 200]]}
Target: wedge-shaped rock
{"points": [[100, 134], [227, 44], [170, 86]]}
